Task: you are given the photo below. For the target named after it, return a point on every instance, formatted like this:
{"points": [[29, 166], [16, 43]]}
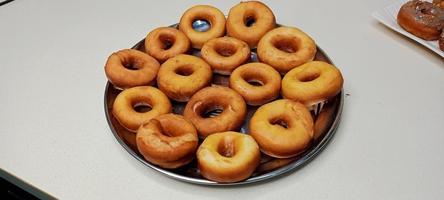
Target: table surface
{"points": [[55, 136]]}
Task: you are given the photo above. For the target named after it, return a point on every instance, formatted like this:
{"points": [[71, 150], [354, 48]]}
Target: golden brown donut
{"points": [[274, 164], [282, 128], [257, 83], [166, 42], [323, 121], [422, 19], [182, 76], [126, 101], [224, 54], [285, 48], [213, 98], [439, 3], [129, 68], [167, 140], [202, 12], [249, 21], [228, 157], [312, 83]]}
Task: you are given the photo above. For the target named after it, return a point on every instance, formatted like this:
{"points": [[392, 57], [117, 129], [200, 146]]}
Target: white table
{"points": [[54, 134]]}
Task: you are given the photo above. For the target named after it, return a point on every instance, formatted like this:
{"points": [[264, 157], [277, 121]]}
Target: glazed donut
{"points": [[312, 83], [182, 76], [228, 157], [166, 42], [267, 80], [285, 48], [212, 15], [282, 128], [213, 98], [125, 103], [422, 19], [167, 140], [249, 21], [224, 54], [129, 68]]}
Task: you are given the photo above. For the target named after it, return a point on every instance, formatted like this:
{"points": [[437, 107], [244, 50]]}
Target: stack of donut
{"points": [[285, 84], [423, 19]]}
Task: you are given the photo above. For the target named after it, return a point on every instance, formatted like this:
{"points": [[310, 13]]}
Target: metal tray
{"points": [[326, 123]]}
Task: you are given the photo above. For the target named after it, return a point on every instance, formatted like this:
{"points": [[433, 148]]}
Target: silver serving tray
{"points": [[190, 173]]}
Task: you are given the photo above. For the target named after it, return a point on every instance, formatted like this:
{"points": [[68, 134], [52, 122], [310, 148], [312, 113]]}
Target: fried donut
{"points": [[214, 98], [129, 68], [125, 103], [182, 76], [312, 83], [285, 48], [167, 140], [282, 128], [228, 157], [249, 21], [439, 3], [257, 83], [422, 19], [166, 42], [202, 12], [224, 54]]}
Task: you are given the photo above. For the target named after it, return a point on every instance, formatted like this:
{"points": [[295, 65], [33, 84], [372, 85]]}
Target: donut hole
{"points": [[184, 70], [250, 20], [289, 45], [160, 127], [142, 107], [279, 122], [254, 80], [167, 41], [309, 75], [211, 111], [226, 147], [225, 50], [130, 64], [201, 25]]}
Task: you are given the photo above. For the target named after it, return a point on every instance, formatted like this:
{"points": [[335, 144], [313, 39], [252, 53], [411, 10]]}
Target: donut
{"points": [[422, 19], [210, 14], [282, 128], [182, 76], [285, 48], [228, 157], [312, 83], [439, 3], [257, 83], [166, 42], [323, 121], [167, 140], [129, 68], [126, 102], [215, 98], [224, 54], [249, 21]]}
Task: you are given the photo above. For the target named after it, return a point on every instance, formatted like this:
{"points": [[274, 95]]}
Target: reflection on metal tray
{"points": [[326, 123]]}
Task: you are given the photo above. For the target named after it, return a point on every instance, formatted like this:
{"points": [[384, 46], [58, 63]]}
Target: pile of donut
{"points": [[423, 19], [280, 128]]}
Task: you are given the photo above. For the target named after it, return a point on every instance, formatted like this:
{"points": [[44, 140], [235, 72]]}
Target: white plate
{"points": [[387, 16]]}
